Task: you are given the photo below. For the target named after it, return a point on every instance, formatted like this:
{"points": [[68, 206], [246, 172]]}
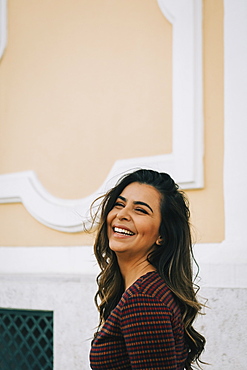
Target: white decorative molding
{"points": [[45, 260], [59, 214], [185, 163], [3, 26], [218, 266]]}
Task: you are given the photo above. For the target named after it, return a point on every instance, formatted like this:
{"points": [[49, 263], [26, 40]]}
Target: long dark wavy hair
{"points": [[173, 259]]}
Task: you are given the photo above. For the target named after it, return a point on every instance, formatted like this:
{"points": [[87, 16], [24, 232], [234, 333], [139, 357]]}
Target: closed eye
{"points": [[118, 204], [141, 210]]}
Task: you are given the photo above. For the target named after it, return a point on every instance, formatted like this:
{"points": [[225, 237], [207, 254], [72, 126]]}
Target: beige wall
{"points": [[83, 84]]}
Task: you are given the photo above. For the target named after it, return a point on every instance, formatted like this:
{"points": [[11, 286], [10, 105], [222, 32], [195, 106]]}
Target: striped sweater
{"points": [[143, 332]]}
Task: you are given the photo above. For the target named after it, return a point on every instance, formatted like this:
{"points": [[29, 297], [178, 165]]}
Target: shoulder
{"points": [[149, 288]]}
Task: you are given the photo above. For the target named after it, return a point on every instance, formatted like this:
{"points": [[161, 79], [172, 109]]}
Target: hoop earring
{"points": [[159, 241]]}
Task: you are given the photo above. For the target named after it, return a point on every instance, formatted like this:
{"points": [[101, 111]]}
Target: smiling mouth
{"points": [[122, 231]]}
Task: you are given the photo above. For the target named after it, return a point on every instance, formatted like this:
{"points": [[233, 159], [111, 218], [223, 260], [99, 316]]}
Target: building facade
{"points": [[91, 90]]}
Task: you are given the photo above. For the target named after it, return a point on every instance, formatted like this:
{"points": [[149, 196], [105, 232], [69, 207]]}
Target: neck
{"points": [[131, 271]]}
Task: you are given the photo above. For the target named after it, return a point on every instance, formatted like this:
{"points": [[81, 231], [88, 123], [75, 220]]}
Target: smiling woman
{"points": [[133, 227], [146, 297]]}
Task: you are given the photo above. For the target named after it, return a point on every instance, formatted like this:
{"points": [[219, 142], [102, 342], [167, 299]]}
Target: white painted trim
{"points": [[222, 265], [59, 214], [48, 260], [3, 26], [185, 163], [219, 265]]}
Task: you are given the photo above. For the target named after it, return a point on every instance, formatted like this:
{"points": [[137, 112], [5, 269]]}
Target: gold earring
{"points": [[159, 241]]}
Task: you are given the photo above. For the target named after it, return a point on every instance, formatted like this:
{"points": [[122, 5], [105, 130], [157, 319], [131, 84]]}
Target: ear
{"points": [[159, 241]]}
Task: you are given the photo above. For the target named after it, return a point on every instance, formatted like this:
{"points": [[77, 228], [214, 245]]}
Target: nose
{"points": [[123, 214]]}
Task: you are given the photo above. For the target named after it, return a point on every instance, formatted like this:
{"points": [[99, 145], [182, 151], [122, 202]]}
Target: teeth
{"points": [[122, 231]]}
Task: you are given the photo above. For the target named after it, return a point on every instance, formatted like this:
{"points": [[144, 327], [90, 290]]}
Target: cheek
{"points": [[110, 217], [148, 231], [154, 231]]}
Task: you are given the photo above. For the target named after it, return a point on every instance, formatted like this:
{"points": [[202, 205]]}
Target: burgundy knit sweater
{"points": [[143, 332]]}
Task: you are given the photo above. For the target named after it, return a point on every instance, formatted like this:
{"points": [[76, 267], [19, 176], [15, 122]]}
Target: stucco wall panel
{"points": [[71, 300], [224, 326]]}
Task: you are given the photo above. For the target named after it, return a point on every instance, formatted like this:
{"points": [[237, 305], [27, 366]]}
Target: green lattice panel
{"points": [[26, 340]]}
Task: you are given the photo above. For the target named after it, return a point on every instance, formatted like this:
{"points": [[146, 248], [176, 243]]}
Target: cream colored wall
{"points": [[83, 84]]}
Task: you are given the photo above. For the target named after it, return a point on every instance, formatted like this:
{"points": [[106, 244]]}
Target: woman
{"points": [[145, 296]]}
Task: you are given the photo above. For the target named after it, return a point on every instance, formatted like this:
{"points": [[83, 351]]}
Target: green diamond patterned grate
{"points": [[26, 340]]}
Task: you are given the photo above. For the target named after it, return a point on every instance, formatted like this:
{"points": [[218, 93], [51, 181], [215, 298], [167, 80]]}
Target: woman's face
{"points": [[134, 221]]}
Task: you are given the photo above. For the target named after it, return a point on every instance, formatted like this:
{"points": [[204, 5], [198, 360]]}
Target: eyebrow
{"points": [[137, 202]]}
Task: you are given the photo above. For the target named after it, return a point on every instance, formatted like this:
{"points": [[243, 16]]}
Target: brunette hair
{"points": [[172, 259]]}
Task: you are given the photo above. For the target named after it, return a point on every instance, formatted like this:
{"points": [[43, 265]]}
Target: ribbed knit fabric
{"points": [[143, 332]]}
